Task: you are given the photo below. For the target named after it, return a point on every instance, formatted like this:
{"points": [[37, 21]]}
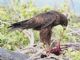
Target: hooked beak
{"points": [[64, 29]]}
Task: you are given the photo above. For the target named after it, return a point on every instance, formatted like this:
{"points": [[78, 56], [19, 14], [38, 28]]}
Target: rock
{"points": [[8, 55]]}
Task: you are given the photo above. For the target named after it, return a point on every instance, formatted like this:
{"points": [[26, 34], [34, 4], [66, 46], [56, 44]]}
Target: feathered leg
{"points": [[45, 37]]}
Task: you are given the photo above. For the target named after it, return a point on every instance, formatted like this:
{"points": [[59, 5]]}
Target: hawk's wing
{"points": [[50, 21], [47, 24]]}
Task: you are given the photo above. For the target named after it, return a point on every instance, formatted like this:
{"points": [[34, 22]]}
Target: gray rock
{"points": [[8, 55]]}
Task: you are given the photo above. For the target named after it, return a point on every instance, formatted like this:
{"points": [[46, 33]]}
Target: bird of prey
{"points": [[43, 23]]}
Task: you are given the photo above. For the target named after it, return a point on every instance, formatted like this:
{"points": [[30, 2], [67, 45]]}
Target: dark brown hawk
{"points": [[43, 22]]}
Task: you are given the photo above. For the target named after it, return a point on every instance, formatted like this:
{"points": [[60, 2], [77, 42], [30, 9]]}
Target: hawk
{"points": [[43, 22]]}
